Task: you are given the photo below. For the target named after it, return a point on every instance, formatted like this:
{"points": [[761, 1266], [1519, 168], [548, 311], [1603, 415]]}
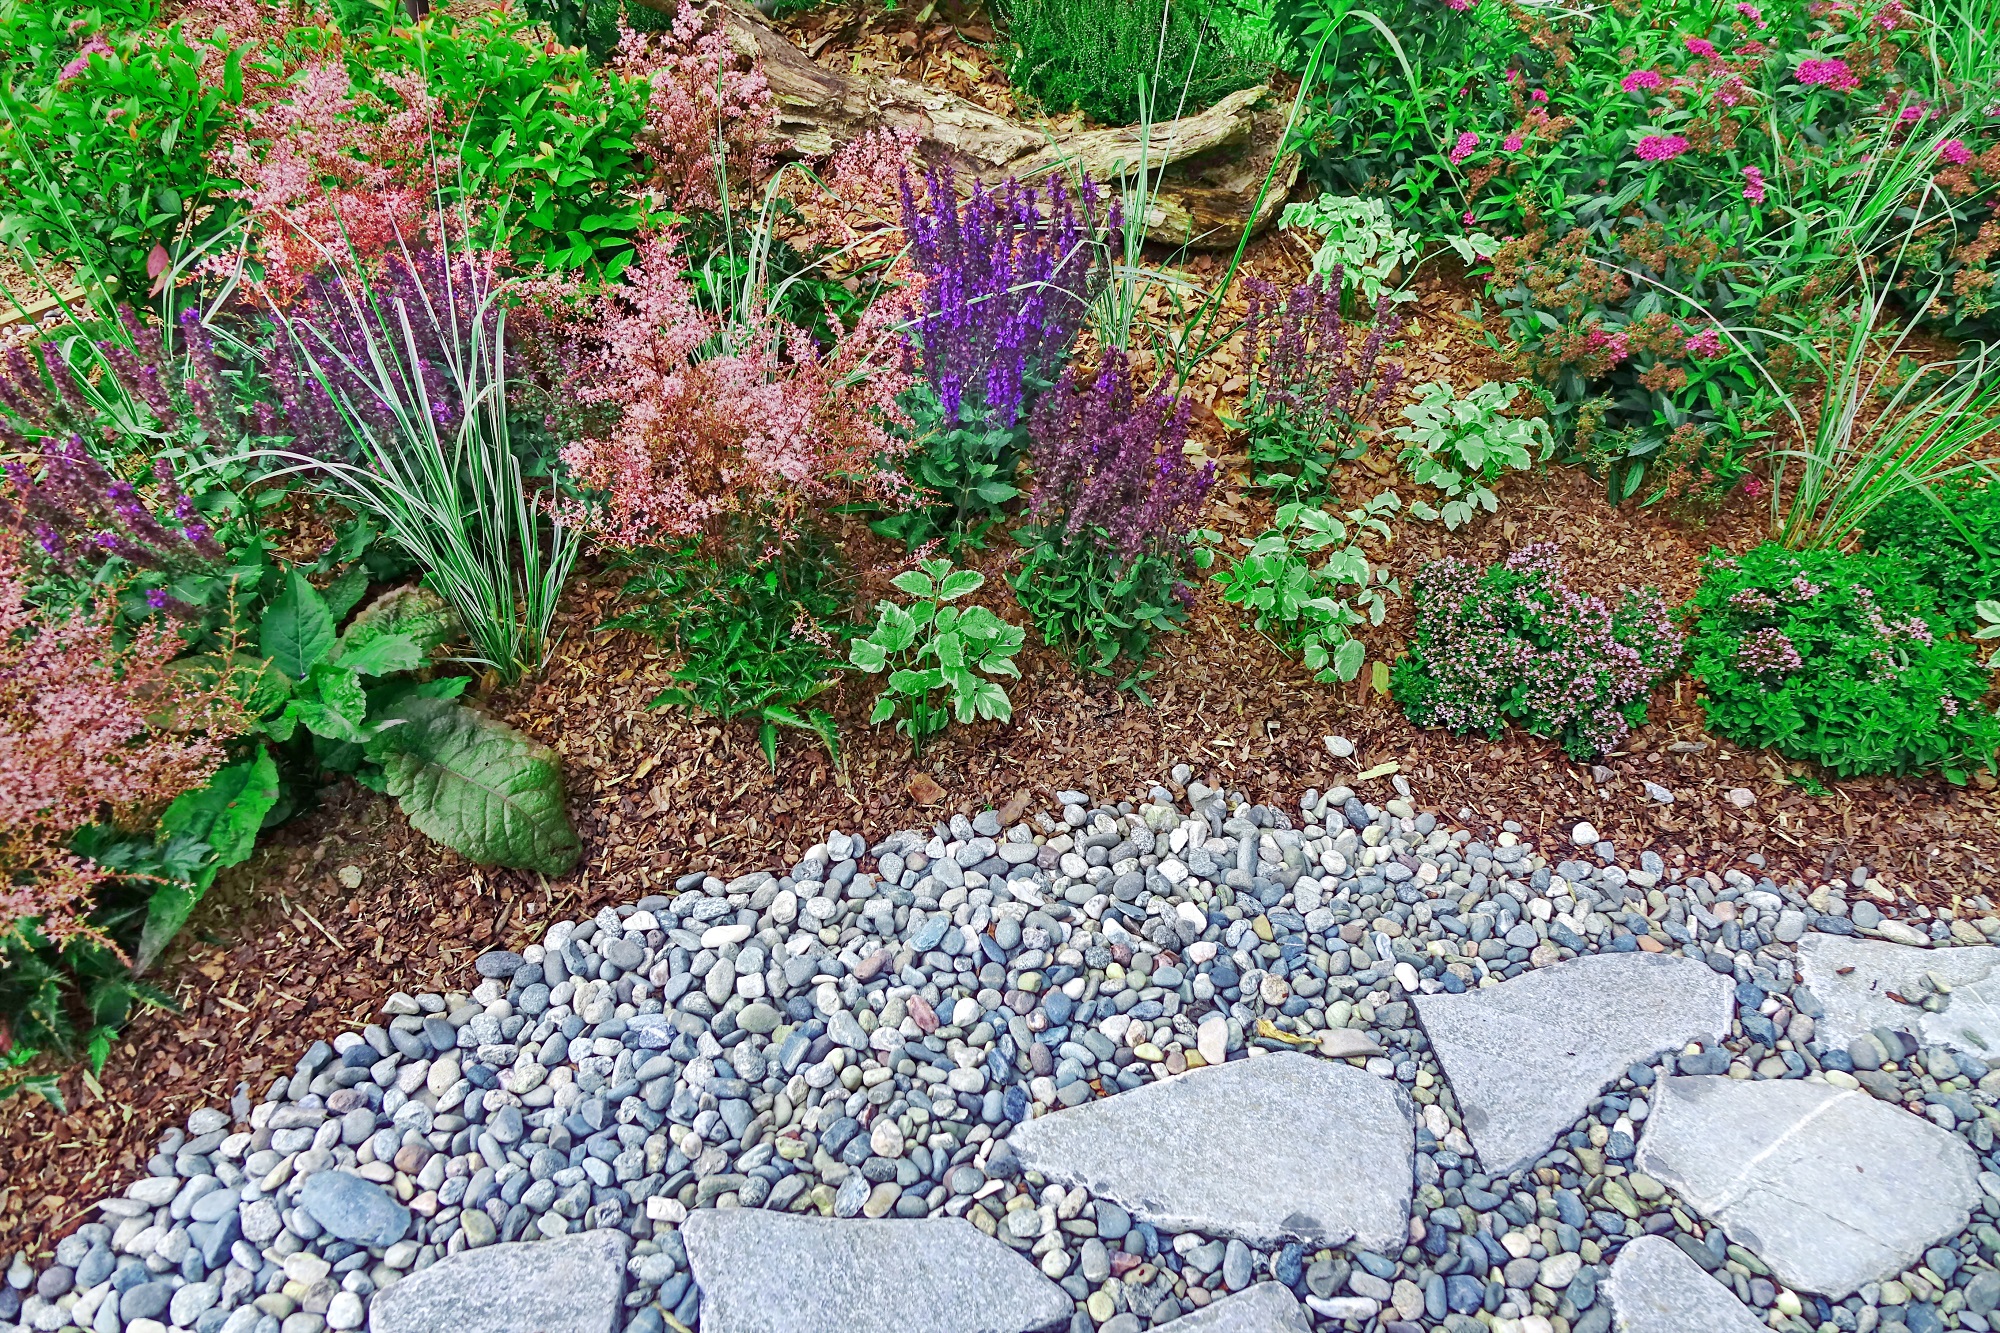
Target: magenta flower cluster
{"points": [[1832, 74], [1008, 281], [1753, 184], [1661, 147], [1467, 142]]}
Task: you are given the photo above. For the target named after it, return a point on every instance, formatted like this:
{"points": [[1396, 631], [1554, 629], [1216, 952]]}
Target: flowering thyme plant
{"points": [[1111, 520], [1517, 644], [1840, 660], [1007, 282]]}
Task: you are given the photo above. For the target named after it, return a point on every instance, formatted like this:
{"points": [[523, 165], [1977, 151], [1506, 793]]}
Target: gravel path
{"points": [[1187, 1062]]}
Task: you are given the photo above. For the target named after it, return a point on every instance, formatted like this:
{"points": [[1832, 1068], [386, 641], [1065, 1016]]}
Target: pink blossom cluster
{"points": [[75, 69], [1642, 80], [717, 423], [1617, 346], [1767, 652], [320, 180], [76, 748], [1700, 47], [1955, 153], [1463, 149], [1707, 343], [1754, 14], [1753, 184], [706, 111], [1832, 74], [1661, 147]]}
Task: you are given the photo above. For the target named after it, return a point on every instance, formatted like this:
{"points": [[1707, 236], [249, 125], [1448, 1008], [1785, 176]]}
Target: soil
{"points": [[284, 951]]}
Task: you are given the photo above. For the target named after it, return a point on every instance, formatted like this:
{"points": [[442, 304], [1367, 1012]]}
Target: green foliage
{"points": [[934, 653], [1092, 55], [1101, 606], [476, 785], [1988, 613], [97, 169], [1310, 610], [1456, 444], [226, 816], [967, 467], [756, 638], [1949, 535], [1838, 659], [1361, 239]]}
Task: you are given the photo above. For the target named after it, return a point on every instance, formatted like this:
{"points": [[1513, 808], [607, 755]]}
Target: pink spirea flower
{"points": [[1706, 343], [1754, 14], [1753, 486], [1832, 74], [1463, 148], [1460, 5], [1753, 184], [1699, 46], [1661, 147], [1641, 80], [96, 46], [1511, 144], [1468, 217], [1955, 152], [1539, 95]]}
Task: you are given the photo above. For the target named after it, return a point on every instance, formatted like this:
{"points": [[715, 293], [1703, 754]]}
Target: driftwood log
{"points": [[1210, 165]]}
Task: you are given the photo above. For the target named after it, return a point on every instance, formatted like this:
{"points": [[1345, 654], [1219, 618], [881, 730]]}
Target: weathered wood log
{"points": [[1210, 165]]}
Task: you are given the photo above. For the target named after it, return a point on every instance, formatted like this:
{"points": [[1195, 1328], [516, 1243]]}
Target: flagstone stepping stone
{"points": [[765, 1272], [1828, 1186], [1264, 1308], [1275, 1148], [1853, 980], [566, 1284], [1654, 1288], [1527, 1057]]}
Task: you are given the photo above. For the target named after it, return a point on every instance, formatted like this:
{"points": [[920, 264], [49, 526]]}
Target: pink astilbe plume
{"points": [[76, 747], [714, 423], [702, 98], [322, 179]]}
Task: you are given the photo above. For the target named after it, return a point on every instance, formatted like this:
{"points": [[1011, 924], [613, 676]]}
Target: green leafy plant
{"points": [[757, 639], [1092, 55], [1988, 613], [935, 654], [1311, 610], [1458, 444], [1950, 535], [1839, 660], [1359, 240], [969, 465]]}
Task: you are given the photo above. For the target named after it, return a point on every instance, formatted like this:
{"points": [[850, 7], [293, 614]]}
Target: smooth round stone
{"points": [[886, 1138], [882, 1199], [759, 1018], [353, 1209]]}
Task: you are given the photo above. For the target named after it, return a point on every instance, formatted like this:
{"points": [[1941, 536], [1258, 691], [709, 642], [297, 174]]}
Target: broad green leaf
{"points": [[226, 814], [868, 655], [414, 611], [477, 785], [914, 582], [1347, 661], [297, 629], [959, 583], [345, 591], [885, 708], [380, 655]]}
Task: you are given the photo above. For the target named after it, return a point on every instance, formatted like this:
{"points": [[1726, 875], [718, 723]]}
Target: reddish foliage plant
{"points": [[76, 748], [705, 423], [705, 105]]}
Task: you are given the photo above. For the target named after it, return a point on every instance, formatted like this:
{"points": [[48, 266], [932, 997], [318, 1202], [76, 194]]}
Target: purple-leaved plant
{"points": [[1008, 279]]}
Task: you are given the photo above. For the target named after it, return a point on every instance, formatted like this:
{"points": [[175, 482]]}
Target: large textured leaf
{"points": [[226, 814], [297, 629], [254, 682], [477, 785], [414, 611]]}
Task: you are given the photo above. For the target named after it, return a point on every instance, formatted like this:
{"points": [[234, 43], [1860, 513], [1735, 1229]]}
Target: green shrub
{"points": [[1459, 444], [1838, 659], [1306, 609], [1091, 55], [936, 654], [1950, 539]]}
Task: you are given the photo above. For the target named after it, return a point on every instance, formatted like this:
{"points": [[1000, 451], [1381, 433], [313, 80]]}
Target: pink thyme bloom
{"points": [[1661, 147], [1832, 74], [1512, 144], [1955, 152], [1706, 343], [1753, 185], [1639, 80], [74, 69], [1463, 149], [1699, 46]]}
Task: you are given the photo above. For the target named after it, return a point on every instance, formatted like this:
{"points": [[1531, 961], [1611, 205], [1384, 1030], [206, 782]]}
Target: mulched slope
{"points": [[283, 952]]}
